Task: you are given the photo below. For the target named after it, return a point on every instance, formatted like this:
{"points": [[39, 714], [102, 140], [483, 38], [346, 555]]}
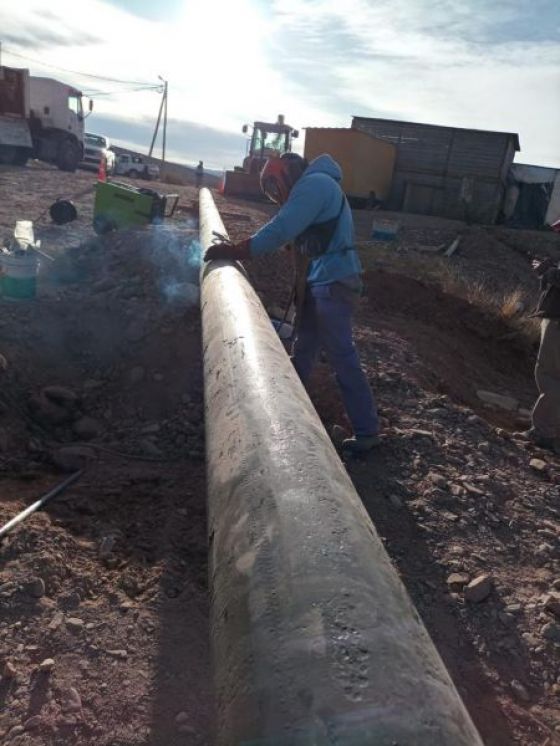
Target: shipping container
{"points": [[367, 162]]}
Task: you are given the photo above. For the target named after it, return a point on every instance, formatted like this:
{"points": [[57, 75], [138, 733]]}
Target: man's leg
{"points": [[334, 320], [306, 345], [546, 412]]}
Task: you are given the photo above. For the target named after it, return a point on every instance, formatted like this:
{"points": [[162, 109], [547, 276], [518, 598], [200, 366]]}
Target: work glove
{"points": [[232, 251]]}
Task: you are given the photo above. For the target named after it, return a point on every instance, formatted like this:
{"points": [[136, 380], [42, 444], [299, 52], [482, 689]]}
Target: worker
{"points": [[545, 430], [199, 174], [315, 217]]}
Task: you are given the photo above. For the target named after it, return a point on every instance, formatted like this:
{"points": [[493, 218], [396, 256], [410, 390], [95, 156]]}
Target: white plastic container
{"points": [[19, 275]]}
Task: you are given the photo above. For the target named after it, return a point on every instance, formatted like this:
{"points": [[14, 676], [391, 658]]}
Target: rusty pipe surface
{"points": [[314, 638]]}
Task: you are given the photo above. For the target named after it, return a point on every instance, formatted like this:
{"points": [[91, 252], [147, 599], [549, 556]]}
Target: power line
{"points": [[75, 72], [119, 91]]}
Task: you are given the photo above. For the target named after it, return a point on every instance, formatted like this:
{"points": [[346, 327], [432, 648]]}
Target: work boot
{"points": [[533, 436], [338, 435], [361, 443]]}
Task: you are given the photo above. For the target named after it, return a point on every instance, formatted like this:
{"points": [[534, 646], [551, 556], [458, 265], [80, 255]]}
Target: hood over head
{"points": [[326, 165]]}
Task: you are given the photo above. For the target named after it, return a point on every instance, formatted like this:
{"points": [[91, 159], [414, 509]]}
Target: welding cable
{"points": [[40, 502]]}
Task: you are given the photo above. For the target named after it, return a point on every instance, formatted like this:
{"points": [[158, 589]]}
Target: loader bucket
{"points": [[241, 184]]}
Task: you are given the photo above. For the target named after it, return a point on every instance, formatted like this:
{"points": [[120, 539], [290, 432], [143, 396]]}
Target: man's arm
{"points": [[300, 211]]}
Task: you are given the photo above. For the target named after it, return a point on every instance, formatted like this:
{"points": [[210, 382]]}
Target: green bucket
{"points": [[18, 280]]}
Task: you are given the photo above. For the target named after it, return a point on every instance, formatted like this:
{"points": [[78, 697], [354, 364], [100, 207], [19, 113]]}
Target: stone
{"points": [[150, 449], [56, 621], [4, 440], [556, 584], [72, 702], [33, 722], [187, 730], [72, 458], [74, 624], [36, 587], [87, 428], [457, 581], [437, 479], [182, 717], [47, 665], [60, 395], [551, 631], [538, 464], [478, 589], [48, 412], [122, 654], [154, 427], [513, 608], [499, 401], [520, 690], [136, 375], [106, 546], [9, 671], [396, 502], [91, 384]]}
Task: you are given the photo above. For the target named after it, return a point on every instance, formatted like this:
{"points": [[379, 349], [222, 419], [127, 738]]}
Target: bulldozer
{"points": [[267, 140]]}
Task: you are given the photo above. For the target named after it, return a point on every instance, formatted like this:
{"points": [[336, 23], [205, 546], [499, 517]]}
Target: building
{"points": [[448, 171], [532, 197]]}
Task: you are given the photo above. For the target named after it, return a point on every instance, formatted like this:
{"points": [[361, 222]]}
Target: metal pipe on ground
{"points": [[38, 504], [315, 640]]}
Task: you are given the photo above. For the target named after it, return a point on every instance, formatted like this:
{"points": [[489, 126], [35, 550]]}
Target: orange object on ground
{"points": [[102, 171]]}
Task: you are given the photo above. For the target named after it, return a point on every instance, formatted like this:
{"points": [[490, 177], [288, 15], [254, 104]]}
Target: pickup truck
{"points": [[135, 166], [97, 147]]}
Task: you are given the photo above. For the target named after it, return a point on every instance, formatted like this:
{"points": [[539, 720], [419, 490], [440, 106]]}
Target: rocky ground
{"points": [[103, 625]]}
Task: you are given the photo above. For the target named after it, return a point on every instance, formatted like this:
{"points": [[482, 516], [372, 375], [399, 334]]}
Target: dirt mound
{"points": [[459, 348]]}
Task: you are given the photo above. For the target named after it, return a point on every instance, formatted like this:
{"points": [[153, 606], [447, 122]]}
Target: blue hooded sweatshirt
{"points": [[315, 198]]}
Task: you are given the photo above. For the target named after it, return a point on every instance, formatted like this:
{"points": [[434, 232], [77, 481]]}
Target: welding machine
{"points": [[120, 205]]}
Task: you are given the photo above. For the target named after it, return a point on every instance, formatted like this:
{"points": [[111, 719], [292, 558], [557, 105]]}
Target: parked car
{"points": [[136, 167], [95, 148]]}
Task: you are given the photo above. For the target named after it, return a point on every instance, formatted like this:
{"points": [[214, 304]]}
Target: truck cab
{"points": [[41, 118]]}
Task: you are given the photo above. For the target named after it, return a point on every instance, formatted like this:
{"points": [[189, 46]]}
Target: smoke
{"points": [[176, 254]]}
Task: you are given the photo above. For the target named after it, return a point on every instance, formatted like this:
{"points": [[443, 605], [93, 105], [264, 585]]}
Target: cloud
{"points": [[468, 64], [36, 38], [445, 62], [187, 142]]}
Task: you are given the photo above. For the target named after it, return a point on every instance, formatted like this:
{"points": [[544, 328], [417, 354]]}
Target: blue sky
{"points": [[467, 63]]}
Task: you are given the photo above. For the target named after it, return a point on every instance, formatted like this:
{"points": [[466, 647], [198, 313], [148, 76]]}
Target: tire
{"points": [[133, 173], [68, 156]]}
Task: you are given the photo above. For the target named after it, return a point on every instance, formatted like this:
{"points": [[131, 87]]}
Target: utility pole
{"points": [[157, 123], [164, 123]]}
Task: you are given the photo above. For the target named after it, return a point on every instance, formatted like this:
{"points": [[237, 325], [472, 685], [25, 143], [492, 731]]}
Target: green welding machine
{"points": [[120, 205]]}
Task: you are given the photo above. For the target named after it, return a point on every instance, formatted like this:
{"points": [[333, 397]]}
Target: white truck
{"points": [[135, 166], [40, 118]]}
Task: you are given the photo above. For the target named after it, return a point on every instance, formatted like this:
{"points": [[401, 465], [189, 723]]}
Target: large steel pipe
{"points": [[315, 640]]}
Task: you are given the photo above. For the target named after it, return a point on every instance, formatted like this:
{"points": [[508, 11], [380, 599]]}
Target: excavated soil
{"points": [[109, 581]]}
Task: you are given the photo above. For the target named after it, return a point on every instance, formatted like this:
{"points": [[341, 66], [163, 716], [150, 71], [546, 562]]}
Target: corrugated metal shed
{"points": [[449, 171]]}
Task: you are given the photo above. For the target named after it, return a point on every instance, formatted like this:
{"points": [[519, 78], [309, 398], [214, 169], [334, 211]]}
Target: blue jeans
{"points": [[326, 323]]}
